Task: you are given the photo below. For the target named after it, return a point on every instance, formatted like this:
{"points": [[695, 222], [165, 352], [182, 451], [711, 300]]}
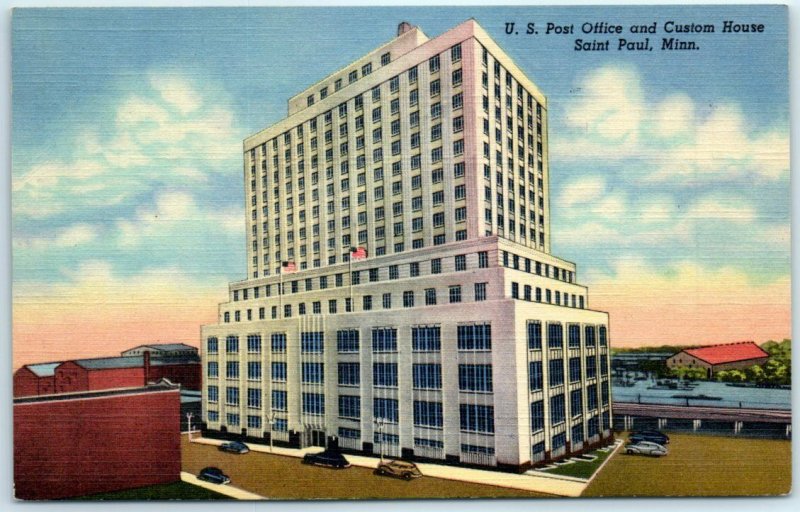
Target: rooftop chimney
{"points": [[403, 27]]}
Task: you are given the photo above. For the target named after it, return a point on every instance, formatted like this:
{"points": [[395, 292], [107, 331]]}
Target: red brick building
{"points": [[96, 441], [715, 358], [106, 373]]}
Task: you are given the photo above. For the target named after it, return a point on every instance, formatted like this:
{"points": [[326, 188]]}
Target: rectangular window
{"points": [[455, 294], [349, 374], [576, 402], [426, 339], [213, 394], [254, 370], [347, 340], [555, 335], [480, 291], [477, 418], [475, 337], [232, 344], [384, 340], [313, 373], [312, 342], [350, 407], [408, 299], [574, 369], [254, 343], [313, 403], [574, 332], [254, 397], [556, 377], [535, 375], [213, 369], [279, 372], [558, 411], [232, 370], [591, 367], [428, 414], [385, 408], [589, 334], [537, 417], [475, 377], [427, 376], [461, 262], [430, 296], [384, 374], [232, 396], [213, 345]]}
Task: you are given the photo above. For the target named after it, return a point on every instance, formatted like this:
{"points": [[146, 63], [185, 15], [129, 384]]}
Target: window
{"points": [[232, 370], [480, 291], [576, 402], [254, 397], [233, 419], [436, 266], [426, 339], [574, 369], [213, 394], [349, 374], [428, 414], [414, 269], [430, 296], [279, 372], [232, 344], [387, 301], [475, 337], [483, 259], [535, 375], [556, 376], [475, 377], [408, 299], [384, 340], [477, 418], [279, 342], [558, 411], [313, 373], [427, 376], [313, 403], [455, 294], [589, 333], [312, 342], [232, 396], [433, 64], [253, 343], [591, 367], [213, 369], [213, 345], [537, 417], [455, 53], [366, 302], [456, 75], [347, 340], [254, 370], [602, 330], [385, 408], [350, 406], [574, 333], [349, 433], [555, 335], [515, 290]]}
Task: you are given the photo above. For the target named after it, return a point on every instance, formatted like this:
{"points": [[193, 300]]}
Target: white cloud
{"points": [[721, 208], [612, 120], [582, 191], [71, 236], [177, 92]]}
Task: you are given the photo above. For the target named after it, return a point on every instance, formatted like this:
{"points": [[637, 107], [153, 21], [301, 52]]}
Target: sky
{"points": [[669, 170]]}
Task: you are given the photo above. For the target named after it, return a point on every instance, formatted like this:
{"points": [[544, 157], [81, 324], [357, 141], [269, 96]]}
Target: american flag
{"points": [[358, 253], [287, 267]]}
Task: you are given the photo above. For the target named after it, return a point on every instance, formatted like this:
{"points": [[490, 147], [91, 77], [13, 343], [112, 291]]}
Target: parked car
{"points": [[328, 458], [645, 448], [213, 475], [234, 447], [399, 469], [653, 436]]}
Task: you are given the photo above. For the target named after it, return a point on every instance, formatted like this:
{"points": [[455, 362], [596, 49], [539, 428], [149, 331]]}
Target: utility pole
{"points": [[189, 426], [270, 420], [379, 424]]}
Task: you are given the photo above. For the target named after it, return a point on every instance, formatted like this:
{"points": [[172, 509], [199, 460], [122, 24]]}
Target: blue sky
{"points": [[127, 129]]}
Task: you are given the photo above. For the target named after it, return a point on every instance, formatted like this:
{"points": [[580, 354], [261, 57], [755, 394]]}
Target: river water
{"points": [[755, 398]]}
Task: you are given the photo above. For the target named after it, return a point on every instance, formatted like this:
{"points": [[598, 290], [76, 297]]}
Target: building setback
{"points": [[716, 358], [459, 338], [87, 443]]}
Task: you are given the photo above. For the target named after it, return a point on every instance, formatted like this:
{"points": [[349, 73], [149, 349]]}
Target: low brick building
{"points": [[69, 445], [715, 358], [159, 350]]}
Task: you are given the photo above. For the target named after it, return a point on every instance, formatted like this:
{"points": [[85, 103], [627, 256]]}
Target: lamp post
{"points": [[379, 423], [189, 426], [270, 420]]}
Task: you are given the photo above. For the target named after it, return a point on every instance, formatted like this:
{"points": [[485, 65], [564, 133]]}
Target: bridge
{"points": [[748, 422]]}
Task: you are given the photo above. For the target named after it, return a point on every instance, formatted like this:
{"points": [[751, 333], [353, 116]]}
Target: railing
{"points": [[558, 452], [389, 450], [483, 459], [280, 436], [350, 443], [430, 452]]}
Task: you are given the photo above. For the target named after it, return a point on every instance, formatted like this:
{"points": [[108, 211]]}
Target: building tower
{"points": [[452, 333]]}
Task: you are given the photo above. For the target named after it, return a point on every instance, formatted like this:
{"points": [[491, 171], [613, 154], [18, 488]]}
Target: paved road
{"points": [[465, 482]]}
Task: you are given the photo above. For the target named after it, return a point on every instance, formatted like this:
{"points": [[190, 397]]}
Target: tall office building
{"points": [[451, 333]]}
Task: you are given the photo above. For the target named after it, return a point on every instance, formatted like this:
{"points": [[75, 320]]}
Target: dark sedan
{"points": [[213, 475], [328, 458], [234, 447]]}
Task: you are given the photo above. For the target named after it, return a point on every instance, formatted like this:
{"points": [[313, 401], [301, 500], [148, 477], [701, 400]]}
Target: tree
{"points": [[755, 374]]}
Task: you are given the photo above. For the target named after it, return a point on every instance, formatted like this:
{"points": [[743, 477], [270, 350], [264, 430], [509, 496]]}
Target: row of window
{"points": [[555, 335], [357, 277], [384, 339], [556, 373]]}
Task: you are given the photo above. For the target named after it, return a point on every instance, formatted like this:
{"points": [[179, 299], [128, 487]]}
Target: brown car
{"points": [[398, 469]]}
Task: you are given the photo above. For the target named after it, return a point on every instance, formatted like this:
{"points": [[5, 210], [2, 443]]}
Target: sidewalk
{"points": [[227, 490], [537, 483]]}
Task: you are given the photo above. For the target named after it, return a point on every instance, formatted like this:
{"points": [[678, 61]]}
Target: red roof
{"points": [[727, 353]]}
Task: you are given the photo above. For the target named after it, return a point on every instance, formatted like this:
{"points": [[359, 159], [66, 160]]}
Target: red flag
{"points": [[358, 253], [287, 267]]}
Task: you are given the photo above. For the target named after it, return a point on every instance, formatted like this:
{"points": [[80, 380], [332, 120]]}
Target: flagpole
{"points": [[350, 268], [280, 292]]}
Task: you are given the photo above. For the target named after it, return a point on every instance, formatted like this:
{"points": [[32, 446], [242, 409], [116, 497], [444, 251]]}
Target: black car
{"points": [[213, 475], [654, 436], [328, 458], [234, 447]]}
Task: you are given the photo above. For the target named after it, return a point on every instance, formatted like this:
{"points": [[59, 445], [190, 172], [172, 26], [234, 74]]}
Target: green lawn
{"points": [[582, 469], [172, 491], [700, 465]]}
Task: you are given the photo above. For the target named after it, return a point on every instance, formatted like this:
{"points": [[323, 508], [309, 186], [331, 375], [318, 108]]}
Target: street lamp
{"points": [[189, 426], [270, 420], [379, 422]]}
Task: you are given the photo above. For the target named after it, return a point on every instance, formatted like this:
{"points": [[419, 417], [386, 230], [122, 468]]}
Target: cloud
{"points": [[667, 139], [582, 191], [71, 236], [162, 134], [722, 208]]}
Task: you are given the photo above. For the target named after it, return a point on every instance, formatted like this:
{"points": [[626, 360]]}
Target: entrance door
{"points": [[318, 438]]}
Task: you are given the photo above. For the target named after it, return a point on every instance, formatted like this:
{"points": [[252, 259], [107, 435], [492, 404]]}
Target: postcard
{"points": [[357, 253]]}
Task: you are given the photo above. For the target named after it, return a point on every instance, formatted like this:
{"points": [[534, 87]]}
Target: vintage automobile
{"points": [[398, 469], [213, 475], [645, 448], [234, 447], [328, 458]]}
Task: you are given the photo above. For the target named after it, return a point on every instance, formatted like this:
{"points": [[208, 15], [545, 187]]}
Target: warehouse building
{"points": [[715, 358], [401, 296]]}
